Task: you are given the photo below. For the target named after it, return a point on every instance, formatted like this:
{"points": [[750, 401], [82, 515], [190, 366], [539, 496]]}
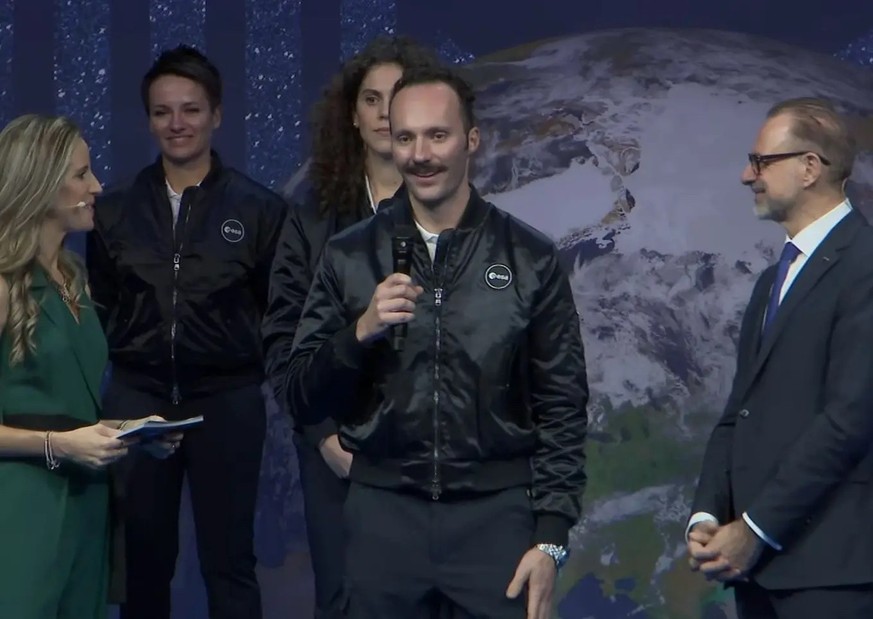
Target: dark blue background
{"points": [[320, 33]]}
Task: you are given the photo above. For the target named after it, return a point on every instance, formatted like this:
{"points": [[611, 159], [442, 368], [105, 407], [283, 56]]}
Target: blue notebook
{"points": [[154, 429]]}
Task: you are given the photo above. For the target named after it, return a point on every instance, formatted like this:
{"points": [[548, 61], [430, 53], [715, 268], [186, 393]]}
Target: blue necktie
{"points": [[789, 253]]}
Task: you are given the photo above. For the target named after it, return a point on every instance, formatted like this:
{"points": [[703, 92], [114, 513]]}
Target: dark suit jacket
{"points": [[793, 446]]}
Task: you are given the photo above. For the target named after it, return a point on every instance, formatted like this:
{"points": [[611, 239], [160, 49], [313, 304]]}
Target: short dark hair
{"points": [[184, 61], [415, 76], [818, 125]]}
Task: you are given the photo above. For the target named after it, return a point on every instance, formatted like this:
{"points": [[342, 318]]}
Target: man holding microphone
{"points": [[462, 384]]}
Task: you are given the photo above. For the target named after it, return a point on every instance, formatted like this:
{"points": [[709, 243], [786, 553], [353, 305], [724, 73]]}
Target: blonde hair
{"points": [[35, 156]]}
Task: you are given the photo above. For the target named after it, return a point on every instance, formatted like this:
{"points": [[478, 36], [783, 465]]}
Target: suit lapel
{"points": [[817, 265], [750, 331], [42, 293], [756, 311], [92, 378], [56, 311]]}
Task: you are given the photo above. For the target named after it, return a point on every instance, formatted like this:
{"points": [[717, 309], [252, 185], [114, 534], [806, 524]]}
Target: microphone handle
{"points": [[398, 336], [398, 332]]}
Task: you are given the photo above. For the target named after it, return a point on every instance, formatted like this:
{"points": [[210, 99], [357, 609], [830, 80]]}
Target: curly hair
{"points": [[336, 169], [35, 155]]}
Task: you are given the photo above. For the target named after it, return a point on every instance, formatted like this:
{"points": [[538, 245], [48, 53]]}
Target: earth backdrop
{"points": [[626, 147]]}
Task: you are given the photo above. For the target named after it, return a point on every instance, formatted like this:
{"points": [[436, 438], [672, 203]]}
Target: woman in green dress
{"points": [[55, 519]]}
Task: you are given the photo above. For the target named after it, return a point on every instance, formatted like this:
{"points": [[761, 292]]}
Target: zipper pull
{"points": [[438, 296], [177, 397], [176, 260]]}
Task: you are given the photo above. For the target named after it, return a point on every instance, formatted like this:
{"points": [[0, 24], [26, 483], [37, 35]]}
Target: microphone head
{"points": [[403, 238], [401, 248], [81, 204]]}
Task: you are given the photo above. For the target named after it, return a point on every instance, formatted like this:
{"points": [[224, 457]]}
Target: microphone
{"points": [[401, 251], [82, 204]]}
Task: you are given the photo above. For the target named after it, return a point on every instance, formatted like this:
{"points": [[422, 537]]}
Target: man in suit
{"points": [[784, 504]]}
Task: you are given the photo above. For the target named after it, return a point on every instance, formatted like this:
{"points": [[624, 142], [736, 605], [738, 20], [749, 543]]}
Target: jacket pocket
{"points": [[503, 417]]}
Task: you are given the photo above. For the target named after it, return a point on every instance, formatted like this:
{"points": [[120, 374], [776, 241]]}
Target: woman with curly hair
{"points": [[350, 172], [55, 525]]}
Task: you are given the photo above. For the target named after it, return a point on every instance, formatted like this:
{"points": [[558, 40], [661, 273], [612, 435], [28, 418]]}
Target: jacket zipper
{"points": [[178, 241], [436, 484]]}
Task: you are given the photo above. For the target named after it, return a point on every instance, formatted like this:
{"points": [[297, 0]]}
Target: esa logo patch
{"points": [[233, 231], [498, 276]]}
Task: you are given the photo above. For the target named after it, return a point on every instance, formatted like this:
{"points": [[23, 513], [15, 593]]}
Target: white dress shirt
{"points": [[430, 240], [175, 201], [807, 241], [369, 192]]}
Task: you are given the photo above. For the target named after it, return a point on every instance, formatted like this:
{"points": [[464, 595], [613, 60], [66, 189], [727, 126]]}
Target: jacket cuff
{"points": [[315, 434], [348, 350], [552, 529]]}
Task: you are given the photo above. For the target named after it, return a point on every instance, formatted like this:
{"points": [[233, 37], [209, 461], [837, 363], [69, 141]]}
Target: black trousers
{"points": [[412, 558], [755, 602], [222, 460], [324, 495]]}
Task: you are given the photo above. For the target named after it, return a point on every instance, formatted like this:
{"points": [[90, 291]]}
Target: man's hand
{"points": [[699, 536], [338, 459], [731, 553], [393, 303], [537, 570]]}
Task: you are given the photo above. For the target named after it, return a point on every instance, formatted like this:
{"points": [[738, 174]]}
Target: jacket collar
{"points": [[156, 176], [475, 212]]}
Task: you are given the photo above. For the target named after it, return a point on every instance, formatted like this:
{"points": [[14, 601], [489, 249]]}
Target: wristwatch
{"points": [[558, 553]]}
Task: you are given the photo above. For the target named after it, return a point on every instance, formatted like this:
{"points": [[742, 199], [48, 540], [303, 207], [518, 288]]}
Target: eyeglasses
{"points": [[759, 162]]}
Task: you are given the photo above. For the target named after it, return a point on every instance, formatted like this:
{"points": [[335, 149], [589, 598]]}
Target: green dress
{"points": [[54, 525]]}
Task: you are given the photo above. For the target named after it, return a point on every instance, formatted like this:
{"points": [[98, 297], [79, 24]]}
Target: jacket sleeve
{"points": [[269, 230], [559, 399], [325, 372], [840, 436], [713, 493], [290, 280], [101, 272]]}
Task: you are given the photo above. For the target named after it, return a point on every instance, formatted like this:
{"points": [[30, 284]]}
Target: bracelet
{"points": [[51, 462]]}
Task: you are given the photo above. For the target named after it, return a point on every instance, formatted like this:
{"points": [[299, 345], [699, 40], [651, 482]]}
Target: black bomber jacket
{"points": [[490, 389]]}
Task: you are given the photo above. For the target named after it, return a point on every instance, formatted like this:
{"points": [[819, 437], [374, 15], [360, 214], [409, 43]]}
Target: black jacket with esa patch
{"points": [[490, 389], [182, 305]]}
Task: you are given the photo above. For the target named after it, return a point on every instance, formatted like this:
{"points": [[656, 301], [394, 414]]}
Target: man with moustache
{"points": [[784, 503], [468, 439], [351, 171], [179, 261]]}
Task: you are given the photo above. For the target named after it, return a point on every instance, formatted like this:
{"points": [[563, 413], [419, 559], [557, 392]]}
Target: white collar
{"points": [[369, 192], [808, 239], [172, 192], [427, 235]]}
